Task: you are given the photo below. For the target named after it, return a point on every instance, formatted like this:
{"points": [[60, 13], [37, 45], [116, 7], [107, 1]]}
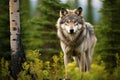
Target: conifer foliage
{"points": [[46, 19], [109, 33], [4, 29]]}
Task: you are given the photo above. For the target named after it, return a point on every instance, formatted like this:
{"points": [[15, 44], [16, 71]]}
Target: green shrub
{"points": [[116, 73], [40, 69], [97, 72], [35, 68], [4, 70]]}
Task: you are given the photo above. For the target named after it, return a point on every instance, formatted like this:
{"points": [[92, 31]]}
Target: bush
{"points": [[39, 69], [36, 69], [97, 72], [4, 70]]}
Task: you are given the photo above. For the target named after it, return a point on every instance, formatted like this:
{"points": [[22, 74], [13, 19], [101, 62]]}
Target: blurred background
{"points": [[90, 8], [38, 30], [38, 20]]}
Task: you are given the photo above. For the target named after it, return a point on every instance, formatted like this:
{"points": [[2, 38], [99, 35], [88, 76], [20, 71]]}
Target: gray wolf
{"points": [[77, 38]]}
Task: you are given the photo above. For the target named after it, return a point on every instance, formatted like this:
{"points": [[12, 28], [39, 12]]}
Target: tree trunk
{"points": [[90, 17], [17, 53]]}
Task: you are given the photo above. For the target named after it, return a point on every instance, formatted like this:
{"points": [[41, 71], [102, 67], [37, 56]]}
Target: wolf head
{"points": [[71, 20]]}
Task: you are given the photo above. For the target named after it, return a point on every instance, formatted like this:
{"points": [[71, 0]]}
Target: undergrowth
{"points": [[36, 69]]}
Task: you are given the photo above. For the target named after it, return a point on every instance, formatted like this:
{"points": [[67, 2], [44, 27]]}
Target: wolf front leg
{"points": [[66, 62], [78, 62], [81, 62], [66, 58]]}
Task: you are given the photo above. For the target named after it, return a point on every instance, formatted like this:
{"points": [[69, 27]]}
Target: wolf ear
{"points": [[63, 12], [78, 11]]}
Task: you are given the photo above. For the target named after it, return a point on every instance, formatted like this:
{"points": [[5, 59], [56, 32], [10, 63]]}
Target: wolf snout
{"points": [[71, 31]]}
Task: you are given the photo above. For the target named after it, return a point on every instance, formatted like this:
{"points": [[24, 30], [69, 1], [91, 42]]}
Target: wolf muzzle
{"points": [[71, 31]]}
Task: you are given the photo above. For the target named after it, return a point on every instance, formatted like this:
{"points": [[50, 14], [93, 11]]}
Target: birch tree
{"points": [[17, 53]]}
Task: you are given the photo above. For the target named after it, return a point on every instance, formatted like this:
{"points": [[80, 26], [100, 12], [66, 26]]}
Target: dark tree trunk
{"points": [[90, 16]]}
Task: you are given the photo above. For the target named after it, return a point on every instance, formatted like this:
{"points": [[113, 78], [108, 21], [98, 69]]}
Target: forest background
{"points": [[41, 44]]}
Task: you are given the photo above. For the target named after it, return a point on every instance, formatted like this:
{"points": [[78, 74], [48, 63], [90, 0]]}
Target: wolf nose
{"points": [[71, 31]]}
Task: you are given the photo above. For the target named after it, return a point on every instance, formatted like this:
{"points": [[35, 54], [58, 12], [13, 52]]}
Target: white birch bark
{"points": [[17, 53]]}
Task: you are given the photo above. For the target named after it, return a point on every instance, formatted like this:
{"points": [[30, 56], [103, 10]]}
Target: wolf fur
{"points": [[77, 38]]}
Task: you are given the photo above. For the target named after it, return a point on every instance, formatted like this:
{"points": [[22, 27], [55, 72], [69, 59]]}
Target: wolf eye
{"points": [[75, 22], [67, 21]]}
